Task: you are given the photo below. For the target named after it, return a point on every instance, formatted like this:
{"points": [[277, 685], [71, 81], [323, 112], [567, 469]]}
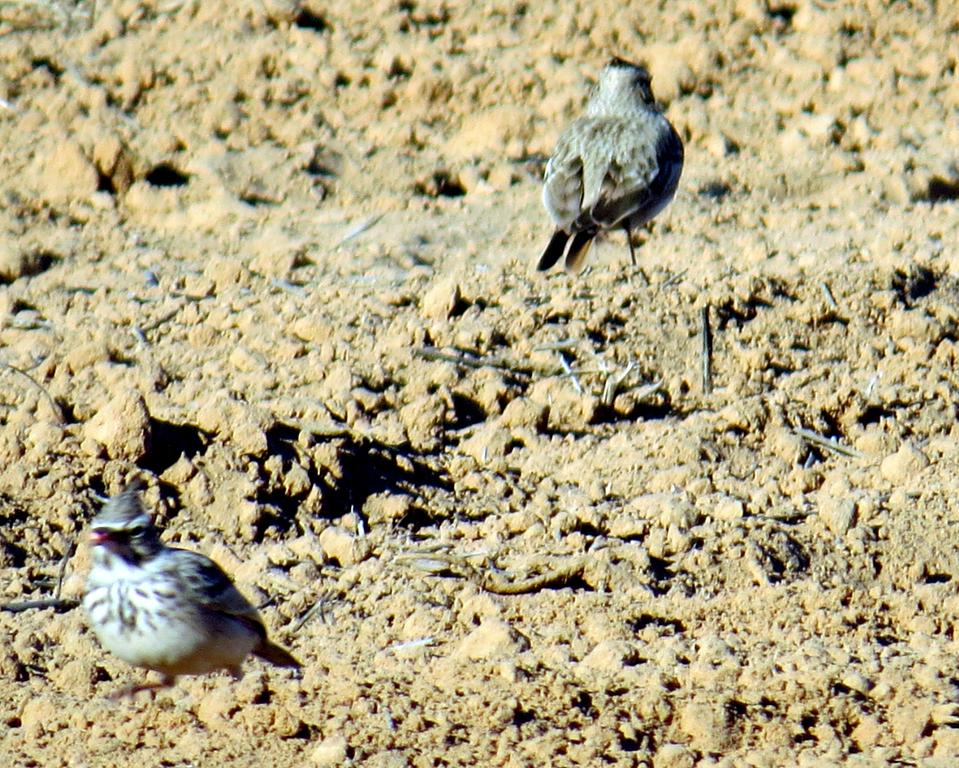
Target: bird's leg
{"points": [[632, 255], [629, 242], [133, 690]]}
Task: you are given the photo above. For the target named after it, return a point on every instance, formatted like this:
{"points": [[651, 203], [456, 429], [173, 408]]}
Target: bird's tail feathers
{"points": [[554, 251], [576, 256], [274, 654]]}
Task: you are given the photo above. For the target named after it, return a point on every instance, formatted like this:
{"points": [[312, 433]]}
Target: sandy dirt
{"points": [[277, 258]]}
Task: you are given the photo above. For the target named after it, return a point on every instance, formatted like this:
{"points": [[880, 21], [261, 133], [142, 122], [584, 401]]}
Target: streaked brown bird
{"points": [[163, 608], [615, 167]]}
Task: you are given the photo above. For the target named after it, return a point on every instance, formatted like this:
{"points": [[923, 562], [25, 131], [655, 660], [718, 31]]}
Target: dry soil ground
{"points": [[277, 258]]}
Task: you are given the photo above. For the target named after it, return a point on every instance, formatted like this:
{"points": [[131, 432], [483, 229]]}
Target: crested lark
{"points": [[163, 608], [616, 166]]}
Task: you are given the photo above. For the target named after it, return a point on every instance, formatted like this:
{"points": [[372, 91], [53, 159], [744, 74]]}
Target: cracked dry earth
{"points": [[277, 258]]}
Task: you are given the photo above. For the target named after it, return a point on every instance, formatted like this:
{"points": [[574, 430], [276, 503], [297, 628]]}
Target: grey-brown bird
{"points": [[166, 609], [615, 167]]}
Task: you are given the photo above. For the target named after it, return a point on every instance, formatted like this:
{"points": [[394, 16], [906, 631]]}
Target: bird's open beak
{"points": [[99, 537]]}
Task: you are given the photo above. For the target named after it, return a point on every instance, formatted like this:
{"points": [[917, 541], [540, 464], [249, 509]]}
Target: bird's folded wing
{"points": [[610, 211], [617, 180], [563, 188], [212, 588]]}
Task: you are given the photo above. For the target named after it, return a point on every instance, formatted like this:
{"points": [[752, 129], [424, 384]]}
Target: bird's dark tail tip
{"points": [[578, 249], [276, 655], [554, 251]]}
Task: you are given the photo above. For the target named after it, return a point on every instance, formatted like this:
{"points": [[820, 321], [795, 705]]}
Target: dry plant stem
{"points": [[707, 351], [166, 317], [432, 353], [565, 344], [64, 561], [466, 361], [674, 279], [571, 373], [499, 585], [359, 229], [50, 401], [827, 444], [650, 389], [613, 382], [145, 329], [827, 292], [492, 581], [57, 604], [423, 641], [435, 559], [638, 270], [325, 429], [317, 609]]}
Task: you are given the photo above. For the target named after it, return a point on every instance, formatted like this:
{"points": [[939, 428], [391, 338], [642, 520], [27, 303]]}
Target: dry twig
{"points": [[317, 609], [58, 604], [707, 351], [358, 229], [58, 414], [613, 382], [468, 361], [490, 579], [827, 293], [62, 572], [830, 445], [567, 368]]}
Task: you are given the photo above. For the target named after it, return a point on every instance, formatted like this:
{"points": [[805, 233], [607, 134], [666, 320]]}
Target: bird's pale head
{"points": [[124, 529], [622, 86]]}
